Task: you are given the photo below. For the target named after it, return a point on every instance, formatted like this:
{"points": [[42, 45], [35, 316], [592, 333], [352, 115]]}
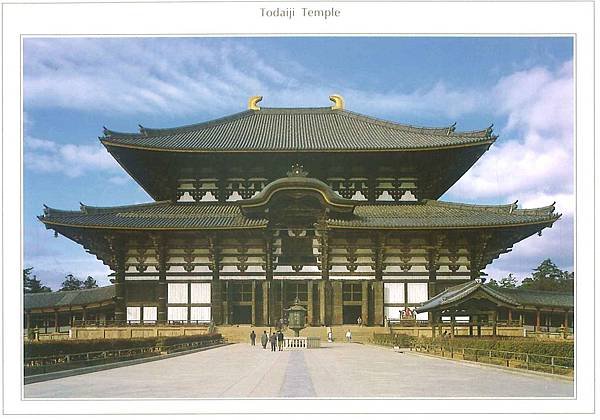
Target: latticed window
{"points": [[352, 291], [296, 289], [242, 292]]}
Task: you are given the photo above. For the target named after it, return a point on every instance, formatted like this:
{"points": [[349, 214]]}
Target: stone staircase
{"points": [[241, 333]]}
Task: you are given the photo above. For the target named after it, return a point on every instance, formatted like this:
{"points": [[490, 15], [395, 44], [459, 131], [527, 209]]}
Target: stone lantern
{"points": [[296, 317]]}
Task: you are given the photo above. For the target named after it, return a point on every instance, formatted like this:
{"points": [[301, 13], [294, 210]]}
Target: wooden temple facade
{"points": [[256, 209]]}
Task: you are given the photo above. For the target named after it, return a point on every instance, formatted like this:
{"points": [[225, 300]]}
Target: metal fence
{"points": [[45, 364], [558, 365]]}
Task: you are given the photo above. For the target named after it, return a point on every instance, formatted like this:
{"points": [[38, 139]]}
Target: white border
{"points": [[435, 18]]}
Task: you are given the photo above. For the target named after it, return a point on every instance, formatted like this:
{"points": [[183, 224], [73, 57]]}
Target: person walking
{"points": [[253, 338], [264, 339], [348, 336], [280, 340], [273, 340]]}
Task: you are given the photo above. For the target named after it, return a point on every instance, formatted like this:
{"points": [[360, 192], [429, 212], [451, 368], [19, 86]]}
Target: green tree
{"points": [[508, 282], [89, 283], [71, 283], [493, 283], [31, 284], [547, 276]]}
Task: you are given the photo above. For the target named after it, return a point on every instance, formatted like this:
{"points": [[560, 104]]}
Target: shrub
{"points": [[511, 344], [64, 347], [400, 340]]}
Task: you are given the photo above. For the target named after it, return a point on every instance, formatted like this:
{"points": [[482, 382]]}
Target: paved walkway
{"points": [[336, 370]]}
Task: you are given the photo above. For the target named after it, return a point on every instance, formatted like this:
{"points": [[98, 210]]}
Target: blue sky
{"points": [[73, 87]]}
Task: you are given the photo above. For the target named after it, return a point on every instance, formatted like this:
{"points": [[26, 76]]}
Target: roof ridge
{"points": [[550, 292], [104, 209], [441, 203], [445, 131]]}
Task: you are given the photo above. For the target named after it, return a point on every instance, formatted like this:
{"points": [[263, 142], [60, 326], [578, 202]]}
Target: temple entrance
{"points": [[351, 313], [242, 314]]}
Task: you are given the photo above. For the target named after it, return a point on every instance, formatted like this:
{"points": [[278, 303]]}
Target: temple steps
{"points": [[241, 333]]}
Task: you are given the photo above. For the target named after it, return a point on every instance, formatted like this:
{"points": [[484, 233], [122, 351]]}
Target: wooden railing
{"points": [[539, 362]]}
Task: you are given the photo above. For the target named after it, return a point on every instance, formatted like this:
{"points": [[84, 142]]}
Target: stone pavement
{"points": [[336, 370]]}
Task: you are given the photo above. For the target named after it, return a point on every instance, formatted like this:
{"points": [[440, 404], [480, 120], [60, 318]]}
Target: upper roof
{"points": [[296, 129], [454, 296], [165, 215], [68, 298]]}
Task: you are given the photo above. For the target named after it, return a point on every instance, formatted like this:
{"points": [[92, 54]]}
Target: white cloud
{"points": [[536, 161], [71, 160], [183, 77]]}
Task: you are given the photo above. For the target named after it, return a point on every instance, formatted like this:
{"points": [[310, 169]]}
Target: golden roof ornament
{"points": [[338, 101], [253, 103]]}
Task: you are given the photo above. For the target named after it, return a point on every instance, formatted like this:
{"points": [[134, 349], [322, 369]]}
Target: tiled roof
{"points": [[293, 129], [433, 213], [540, 298], [455, 294], [212, 215], [68, 298], [513, 297], [158, 215]]}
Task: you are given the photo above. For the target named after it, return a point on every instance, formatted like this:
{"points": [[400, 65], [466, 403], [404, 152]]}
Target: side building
{"points": [[256, 209]]}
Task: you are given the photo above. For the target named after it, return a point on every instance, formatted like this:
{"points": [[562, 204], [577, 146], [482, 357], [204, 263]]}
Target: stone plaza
{"points": [[336, 370]]}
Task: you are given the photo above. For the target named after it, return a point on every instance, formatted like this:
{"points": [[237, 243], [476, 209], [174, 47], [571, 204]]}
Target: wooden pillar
{"points": [[566, 319], [253, 302], [56, 326], [310, 308], [70, 317], [520, 319], [337, 316], [120, 304], [378, 302], [282, 288], [432, 269], [433, 323], [46, 322], [160, 247], [365, 302], [322, 314], [27, 319], [227, 307], [494, 318], [509, 316], [265, 308], [452, 326], [268, 284], [83, 314], [378, 310], [323, 238], [537, 319]]}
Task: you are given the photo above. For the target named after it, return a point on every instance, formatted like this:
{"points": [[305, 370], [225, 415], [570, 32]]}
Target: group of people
{"points": [[275, 339]]}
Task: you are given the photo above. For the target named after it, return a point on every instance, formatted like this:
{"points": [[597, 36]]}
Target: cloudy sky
{"points": [[73, 87]]}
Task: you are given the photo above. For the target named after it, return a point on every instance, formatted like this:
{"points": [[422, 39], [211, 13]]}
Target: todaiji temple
{"points": [[335, 208]]}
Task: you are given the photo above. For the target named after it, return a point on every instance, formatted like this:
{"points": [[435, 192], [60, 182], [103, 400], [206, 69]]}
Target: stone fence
{"points": [[298, 343]]}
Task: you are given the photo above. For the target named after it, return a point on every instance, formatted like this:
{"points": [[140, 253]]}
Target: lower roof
{"points": [[427, 214], [68, 298], [454, 296]]}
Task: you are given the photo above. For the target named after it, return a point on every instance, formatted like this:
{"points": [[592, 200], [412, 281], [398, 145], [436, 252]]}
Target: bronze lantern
{"points": [[296, 317]]}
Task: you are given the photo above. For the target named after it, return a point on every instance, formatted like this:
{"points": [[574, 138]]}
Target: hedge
{"points": [[391, 340], [64, 347], [511, 344]]}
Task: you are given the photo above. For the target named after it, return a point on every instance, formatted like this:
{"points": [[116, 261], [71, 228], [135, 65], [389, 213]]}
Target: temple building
{"points": [[256, 209]]}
